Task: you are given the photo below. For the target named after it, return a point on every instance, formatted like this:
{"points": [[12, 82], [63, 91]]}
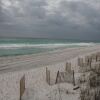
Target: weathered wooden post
{"points": [[88, 61], [58, 78], [73, 78], [68, 67], [22, 86], [47, 76], [96, 57], [80, 62]]}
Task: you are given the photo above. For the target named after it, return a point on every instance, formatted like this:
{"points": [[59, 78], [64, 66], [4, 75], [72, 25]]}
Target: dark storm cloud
{"points": [[1, 14], [48, 18]]}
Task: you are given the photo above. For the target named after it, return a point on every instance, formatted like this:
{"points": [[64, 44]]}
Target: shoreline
{"points": [[17, 63]]}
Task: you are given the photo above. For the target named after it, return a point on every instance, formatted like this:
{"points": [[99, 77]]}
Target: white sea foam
{"points": [[53, 45]]}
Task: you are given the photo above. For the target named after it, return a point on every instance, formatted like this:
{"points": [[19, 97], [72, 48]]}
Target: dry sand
{"points": [[33, 66]]}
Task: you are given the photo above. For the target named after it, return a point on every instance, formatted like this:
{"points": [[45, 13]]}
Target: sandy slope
{"points": [[13, 68]]}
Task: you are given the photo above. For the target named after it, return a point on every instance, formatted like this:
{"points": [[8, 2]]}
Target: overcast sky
{"points": [[76, 19]]}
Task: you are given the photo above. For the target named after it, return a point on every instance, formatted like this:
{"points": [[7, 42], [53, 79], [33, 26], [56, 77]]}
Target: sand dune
{"points": [[34, 67]]}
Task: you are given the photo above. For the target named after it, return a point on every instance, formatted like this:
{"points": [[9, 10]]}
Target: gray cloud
{"points": [[76, 19]]}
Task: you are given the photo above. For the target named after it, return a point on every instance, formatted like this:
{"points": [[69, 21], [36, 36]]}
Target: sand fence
{"points": [[66, 75], [13, 85], [91, 84]]}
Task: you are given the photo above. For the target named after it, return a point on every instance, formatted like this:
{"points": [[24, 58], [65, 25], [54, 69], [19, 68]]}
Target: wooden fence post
{"points": [[73, 78], [68, 67], [47, 76], [22, 86], [58, 76], [80, 62]]}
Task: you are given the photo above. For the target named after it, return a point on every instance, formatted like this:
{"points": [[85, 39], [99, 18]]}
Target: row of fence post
{"points": [[61, 75]]}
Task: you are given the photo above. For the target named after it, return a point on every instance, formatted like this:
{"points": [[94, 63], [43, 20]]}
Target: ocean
{"points": [[12, 47]]}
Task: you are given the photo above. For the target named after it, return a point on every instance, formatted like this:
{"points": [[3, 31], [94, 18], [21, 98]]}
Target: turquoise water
{"points": [[10, 47]]}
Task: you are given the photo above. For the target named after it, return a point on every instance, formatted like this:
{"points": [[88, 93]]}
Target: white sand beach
{"points": [[49, 50], [34, 68]]}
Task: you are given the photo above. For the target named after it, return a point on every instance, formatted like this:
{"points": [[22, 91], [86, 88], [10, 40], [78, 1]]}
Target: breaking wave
{"points": [[50, 45]]}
